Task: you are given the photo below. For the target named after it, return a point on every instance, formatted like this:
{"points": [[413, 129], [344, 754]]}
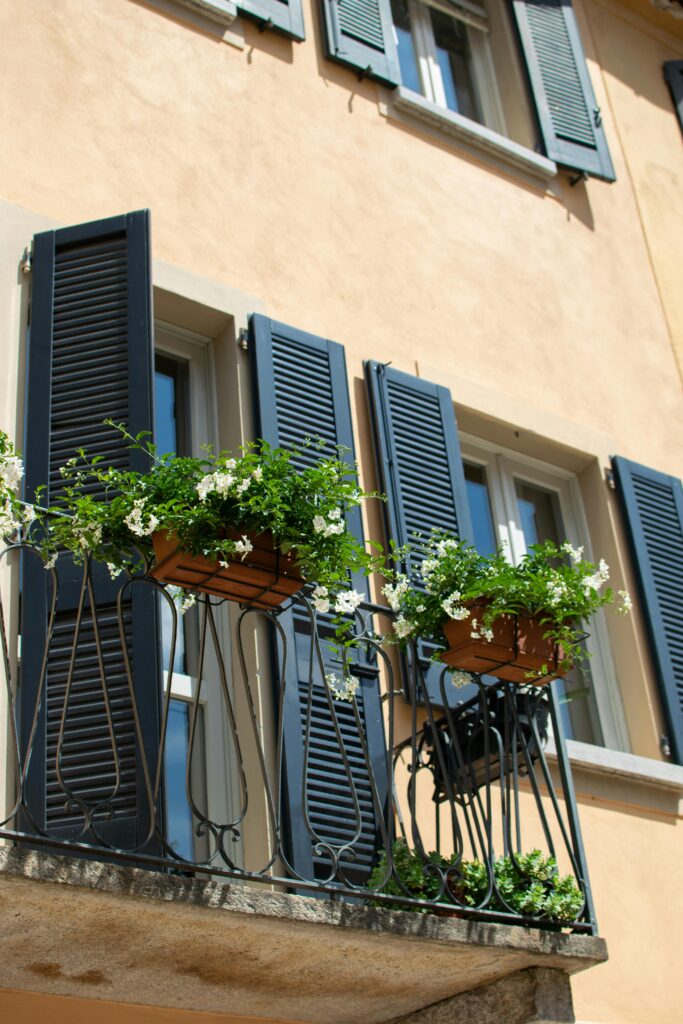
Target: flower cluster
{"points": [[341, 688], [453, 581], [13, 513]]}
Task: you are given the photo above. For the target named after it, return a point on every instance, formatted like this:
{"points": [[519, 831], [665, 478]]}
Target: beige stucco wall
{"points": [[552, 311]]}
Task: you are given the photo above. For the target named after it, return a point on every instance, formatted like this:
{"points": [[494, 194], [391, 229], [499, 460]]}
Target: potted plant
{"points": [[527, 884], [252, 527], [523, 623]]}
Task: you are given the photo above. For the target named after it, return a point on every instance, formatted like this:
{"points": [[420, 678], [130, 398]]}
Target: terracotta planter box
{"points": [[518, 648], [265, 579]]}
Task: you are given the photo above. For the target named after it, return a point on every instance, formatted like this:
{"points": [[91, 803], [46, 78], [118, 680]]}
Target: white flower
{"points": [[557, 589], [29, 514], [243, 546], [459, 678], [626, 602], [257, 473], [9, 523], [595, 581], [242, 486], [341, 689], [319, 524], [347, 602], [320, 599], [428, 567], [114, 570], [452, 609], [181, 599], [52, 561], [135, 520], [222, 482], [445, 545], [333, 528], [603, 570], [487, 635], [230, 463], [205, 486], [403, 627], [574, 553], [336, 513], [11, 470], [394, 593]]}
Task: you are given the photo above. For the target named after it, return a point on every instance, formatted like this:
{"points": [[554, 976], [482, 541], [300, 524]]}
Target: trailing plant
{"points": [[528, 884], [552, 583], [14, 513]]}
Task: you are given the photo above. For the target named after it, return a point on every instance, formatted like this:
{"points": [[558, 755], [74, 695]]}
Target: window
{"points": [[444, 54], [517, 502]]}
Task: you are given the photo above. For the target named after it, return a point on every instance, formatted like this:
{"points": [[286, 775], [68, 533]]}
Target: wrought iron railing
{"points": [[303, 790]]}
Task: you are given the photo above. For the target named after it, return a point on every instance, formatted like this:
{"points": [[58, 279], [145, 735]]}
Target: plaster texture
{"points": [[76, 927]]}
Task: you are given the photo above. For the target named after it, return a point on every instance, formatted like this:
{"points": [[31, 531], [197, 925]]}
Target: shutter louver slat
{"points": [[560, 83], [653, 507]]}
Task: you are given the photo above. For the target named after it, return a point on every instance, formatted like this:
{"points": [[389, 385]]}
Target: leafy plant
{"points": [[553, 583], [14, 513], [527, 884]]}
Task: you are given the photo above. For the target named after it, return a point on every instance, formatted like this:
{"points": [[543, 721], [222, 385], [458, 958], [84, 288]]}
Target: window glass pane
{"points": [[480, 509], [407, 58], [539, 515], [178, 813], [165, 431], [455, 63]]}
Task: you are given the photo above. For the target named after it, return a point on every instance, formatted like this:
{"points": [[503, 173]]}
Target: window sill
{"points": [[600, 760], [222, 11], [475, 135]]}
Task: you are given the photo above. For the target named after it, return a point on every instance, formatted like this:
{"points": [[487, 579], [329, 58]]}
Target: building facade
{"points": [[455, 229]]}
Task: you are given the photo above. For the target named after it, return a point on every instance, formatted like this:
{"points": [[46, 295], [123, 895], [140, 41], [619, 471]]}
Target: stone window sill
{"points": [[474, 135], [616, 763]]}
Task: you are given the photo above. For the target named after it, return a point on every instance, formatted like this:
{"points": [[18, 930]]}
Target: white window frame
{"points": [[502, 467], [222, 794], [474, 19]]}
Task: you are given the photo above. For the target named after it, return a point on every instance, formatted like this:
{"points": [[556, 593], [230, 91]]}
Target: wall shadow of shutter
{"points": [[90, 357], [420, 468], [652, 504], [302, 391], [568, 115], [360, 34]]}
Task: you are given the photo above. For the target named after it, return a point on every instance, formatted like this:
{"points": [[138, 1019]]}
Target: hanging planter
{"points": [[517, 651], [263, 578]]}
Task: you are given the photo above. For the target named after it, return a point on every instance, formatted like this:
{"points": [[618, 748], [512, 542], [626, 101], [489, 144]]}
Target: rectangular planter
{"points": [[265, 579], [517, 652]]}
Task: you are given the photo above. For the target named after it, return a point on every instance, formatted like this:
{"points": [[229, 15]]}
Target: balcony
{"points": [[198, 784]]}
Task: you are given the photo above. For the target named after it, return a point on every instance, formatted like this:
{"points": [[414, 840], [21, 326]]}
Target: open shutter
{"points": [[90, 357], [360, 34], [302, 391], [569, 118], [285, 16], [421, 471], [673, 72], [653, 509]]}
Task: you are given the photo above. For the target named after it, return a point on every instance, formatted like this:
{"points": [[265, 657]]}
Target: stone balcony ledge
{"points": [[83, 928]]}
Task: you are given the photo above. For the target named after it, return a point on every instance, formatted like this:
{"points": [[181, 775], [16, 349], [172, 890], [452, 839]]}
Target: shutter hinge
{"points": [[26, 262], [263, 25], [609, 480], [365, 72], [665, 745], [243, 339], [597, 117], [581, 176]]}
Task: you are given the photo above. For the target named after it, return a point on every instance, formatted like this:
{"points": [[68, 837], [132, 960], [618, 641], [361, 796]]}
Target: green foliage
{"points": [[14, 514], [551, 582], [527, 884]]}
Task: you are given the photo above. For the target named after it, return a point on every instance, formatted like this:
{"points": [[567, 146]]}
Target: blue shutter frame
{"points": [[421, 471], [284, 16], [652, 503], [90, 356], [302, 391]]}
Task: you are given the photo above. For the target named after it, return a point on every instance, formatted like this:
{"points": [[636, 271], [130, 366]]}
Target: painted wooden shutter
{"points": [[360, 34], [673, 72], [302, 391], [420, 469], [90, 357], [285, 16], [652, 503], [569, 118]]}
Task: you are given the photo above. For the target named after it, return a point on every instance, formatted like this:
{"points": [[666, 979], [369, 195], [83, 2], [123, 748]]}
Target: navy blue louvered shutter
{"points": [[421, 471], [568, 115], [673, 72], [285, 16], [360, 34], [90, 357], [652, 503], [302, 391]]}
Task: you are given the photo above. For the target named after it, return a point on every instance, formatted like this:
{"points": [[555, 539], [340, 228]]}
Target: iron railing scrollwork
{"points": [[342, 780]]}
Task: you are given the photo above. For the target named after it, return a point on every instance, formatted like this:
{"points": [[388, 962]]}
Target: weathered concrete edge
{"points": [[575, 952]]}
